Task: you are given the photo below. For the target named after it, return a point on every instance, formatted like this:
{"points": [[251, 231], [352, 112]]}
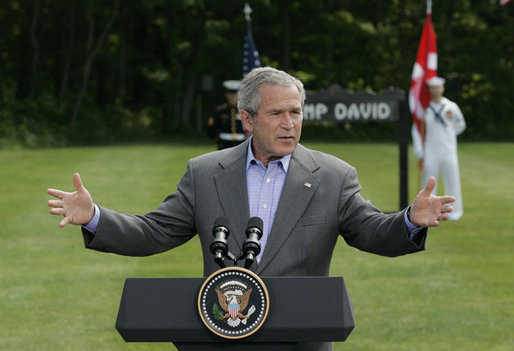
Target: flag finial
{"points": [[247, 11]]}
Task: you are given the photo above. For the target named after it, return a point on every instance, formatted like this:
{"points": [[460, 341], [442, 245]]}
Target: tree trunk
{"points": [[188, 98], [448, 23], [68, 51], [286, 35], [90, 56], [122, 81], [329, 53], [35, 50], [177, 108]]}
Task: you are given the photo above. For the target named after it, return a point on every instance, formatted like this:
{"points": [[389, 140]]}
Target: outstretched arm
{"points": [[427, 209], [76, 207]]}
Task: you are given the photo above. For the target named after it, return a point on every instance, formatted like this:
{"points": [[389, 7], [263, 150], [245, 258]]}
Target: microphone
{"points": [[252, 245], [219, 246]]}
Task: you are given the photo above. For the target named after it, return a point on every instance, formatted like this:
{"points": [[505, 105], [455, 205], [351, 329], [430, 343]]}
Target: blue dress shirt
{"points": [[264, 189]]}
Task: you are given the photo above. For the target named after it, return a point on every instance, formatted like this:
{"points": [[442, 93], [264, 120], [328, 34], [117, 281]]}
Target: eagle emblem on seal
{"points": [[233, 298], [233, 302]]}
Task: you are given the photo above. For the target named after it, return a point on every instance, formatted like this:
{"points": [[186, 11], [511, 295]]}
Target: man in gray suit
{"points": [[306, 198]]}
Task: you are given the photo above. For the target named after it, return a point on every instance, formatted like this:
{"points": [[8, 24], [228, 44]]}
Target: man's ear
{"points": [[247, 120]]}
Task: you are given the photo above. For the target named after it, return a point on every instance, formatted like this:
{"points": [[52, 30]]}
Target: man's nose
{"points": [[287, 121]]}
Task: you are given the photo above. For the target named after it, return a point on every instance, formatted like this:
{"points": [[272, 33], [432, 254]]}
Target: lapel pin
{"points": [[307, 184]]}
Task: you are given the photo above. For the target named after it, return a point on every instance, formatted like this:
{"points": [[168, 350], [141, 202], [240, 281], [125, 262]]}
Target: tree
{"points": [[133, 69], [92, 48]]}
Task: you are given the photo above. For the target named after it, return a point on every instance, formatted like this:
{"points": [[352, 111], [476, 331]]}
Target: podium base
{"points": [[235, 346]]}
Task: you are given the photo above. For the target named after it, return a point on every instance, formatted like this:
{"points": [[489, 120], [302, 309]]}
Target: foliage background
{"points": [[83, 72]]}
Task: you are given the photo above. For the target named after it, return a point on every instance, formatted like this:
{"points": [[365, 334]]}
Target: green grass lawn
{"points": [[55, 295]]}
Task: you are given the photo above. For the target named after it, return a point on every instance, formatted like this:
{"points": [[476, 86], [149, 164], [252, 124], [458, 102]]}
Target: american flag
{"points": [[251, 58]]}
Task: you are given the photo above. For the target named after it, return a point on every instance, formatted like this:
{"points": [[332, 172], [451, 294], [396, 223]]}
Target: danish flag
{"points": [[425, 68]]}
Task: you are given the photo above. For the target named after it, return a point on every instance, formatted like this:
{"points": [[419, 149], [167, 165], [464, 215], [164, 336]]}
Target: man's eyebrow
{"points": [[280, 110]]}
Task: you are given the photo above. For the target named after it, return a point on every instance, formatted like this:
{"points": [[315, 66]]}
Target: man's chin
{"points": [[287, 150]]}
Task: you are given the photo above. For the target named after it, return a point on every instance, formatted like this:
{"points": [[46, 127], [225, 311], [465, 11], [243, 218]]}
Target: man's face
{"points": [[277, 127], [231, 98], [436, 91]]}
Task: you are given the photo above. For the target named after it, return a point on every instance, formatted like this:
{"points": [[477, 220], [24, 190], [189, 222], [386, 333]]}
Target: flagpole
{"points": [[247, 10], [422, 122]]}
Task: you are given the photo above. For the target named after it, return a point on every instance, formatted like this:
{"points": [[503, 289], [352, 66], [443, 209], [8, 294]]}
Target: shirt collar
{"points": [[285, 160]]}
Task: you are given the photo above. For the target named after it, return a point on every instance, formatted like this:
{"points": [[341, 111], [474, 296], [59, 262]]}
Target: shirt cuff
{"points": [[93, 223], [411, 228]]}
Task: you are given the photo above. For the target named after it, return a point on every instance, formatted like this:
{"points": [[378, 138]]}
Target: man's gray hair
{"points": [[249, 97]]}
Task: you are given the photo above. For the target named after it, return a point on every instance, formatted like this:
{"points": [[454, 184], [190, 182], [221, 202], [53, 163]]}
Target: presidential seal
{"points": [[233, 303]]}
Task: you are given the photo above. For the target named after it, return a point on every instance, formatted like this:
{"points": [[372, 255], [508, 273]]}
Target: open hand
{"points": [[427, 209], [76, 207]]}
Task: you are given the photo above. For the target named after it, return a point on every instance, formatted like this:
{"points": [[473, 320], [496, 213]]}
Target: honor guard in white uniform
{"points": [[225, 126], [443, 121]]}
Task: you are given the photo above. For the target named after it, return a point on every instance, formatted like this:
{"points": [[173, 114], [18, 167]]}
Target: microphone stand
{"points": [[251, 246]]}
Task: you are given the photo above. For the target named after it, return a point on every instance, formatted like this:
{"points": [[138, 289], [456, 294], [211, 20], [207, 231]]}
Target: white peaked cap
{"points": [[232, 85], [436, 82]]}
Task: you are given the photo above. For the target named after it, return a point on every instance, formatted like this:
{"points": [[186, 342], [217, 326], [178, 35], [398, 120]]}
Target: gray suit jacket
{"points": [[320, 201]]}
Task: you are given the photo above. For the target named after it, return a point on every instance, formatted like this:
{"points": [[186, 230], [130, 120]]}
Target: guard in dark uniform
{"points": [[225, 126]]}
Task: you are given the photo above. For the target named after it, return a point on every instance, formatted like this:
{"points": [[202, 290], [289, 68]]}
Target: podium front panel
{"points": [[302, 309]]}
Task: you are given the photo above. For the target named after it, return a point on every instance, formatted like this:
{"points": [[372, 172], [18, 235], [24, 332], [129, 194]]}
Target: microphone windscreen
{"points": [[255, 222], [221, 222]]}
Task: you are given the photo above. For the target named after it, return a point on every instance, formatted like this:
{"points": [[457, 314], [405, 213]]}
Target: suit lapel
{"points": [[300, 185], [232, 191]]}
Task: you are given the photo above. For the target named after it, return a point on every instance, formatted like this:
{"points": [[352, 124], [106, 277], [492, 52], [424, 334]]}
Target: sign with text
{"points": [[337, 105]]}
